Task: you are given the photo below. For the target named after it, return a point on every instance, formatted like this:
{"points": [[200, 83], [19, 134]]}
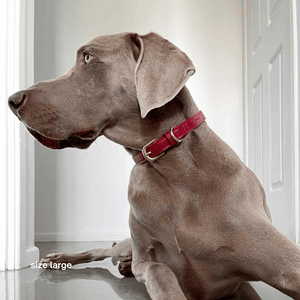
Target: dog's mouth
{"points": [[81, 140]]}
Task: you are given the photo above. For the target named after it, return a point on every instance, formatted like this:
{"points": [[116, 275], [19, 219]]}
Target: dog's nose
{"points": [[16, 100]]}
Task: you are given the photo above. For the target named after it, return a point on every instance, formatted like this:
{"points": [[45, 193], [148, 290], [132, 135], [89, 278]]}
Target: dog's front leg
{"points": [[160, 281], [267, 255], [122, 249]]}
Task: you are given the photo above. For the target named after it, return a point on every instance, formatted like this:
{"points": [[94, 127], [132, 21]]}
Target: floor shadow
{"points": [[125, 288]]}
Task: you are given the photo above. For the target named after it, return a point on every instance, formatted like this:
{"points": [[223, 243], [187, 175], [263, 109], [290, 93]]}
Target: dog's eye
{"points": [[88, 58]]}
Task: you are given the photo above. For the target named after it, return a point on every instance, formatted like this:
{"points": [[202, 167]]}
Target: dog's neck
{"points": [[134, 132], [198, 147], [161, 120]]}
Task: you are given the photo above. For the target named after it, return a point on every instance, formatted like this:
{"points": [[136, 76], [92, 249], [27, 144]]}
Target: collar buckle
{"points": [[169, 140], [147, 154]]}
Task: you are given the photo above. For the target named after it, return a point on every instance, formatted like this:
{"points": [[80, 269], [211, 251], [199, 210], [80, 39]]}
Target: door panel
{"points": [[276, 146], [270, 111], [258, 141]]}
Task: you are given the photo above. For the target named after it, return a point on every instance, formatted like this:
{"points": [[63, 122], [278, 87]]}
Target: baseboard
{"points": [[105, 236], [32, 255]]}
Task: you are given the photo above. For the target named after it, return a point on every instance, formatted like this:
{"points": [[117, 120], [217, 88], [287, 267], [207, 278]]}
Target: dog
{"points": [[200, 226]]}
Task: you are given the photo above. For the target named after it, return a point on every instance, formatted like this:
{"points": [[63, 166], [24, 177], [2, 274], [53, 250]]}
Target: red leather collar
{"points": [[155, 149]]}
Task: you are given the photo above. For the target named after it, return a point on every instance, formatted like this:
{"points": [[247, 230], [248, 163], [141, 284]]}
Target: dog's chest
{"points": [[183, 228], [195, 260], [177, 215]]}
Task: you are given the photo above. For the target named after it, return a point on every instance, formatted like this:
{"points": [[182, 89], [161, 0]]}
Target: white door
{"points": [[270, 106]]}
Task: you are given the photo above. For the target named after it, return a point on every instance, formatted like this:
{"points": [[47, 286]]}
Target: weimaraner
{"points": [[200, 226]]}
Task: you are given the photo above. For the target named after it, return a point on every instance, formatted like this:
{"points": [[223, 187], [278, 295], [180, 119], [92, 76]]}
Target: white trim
{"points": [[3, 124], [245, 89], [295, 24], [82, 236], [17, 190]]}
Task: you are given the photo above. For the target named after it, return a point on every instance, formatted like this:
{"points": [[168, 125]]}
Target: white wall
{"points": [[81, 195]]}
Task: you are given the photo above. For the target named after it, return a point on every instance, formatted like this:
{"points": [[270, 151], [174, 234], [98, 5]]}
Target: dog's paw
{"points": [[55, 260], [125, 267]]}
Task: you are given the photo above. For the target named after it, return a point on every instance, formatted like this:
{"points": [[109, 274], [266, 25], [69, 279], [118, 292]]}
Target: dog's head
{"points": [[115, 77]]}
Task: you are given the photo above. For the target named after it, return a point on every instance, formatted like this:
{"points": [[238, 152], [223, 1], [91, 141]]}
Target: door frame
{"points": [[295, 15], [17, 248]]}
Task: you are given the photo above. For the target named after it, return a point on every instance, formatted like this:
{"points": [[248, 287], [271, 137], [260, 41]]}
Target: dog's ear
{"points": [[161, 71]]}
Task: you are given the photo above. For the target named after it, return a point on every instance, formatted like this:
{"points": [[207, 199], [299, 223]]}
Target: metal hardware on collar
{"points": [[168, 140], [146, 154], [178, 141]]}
